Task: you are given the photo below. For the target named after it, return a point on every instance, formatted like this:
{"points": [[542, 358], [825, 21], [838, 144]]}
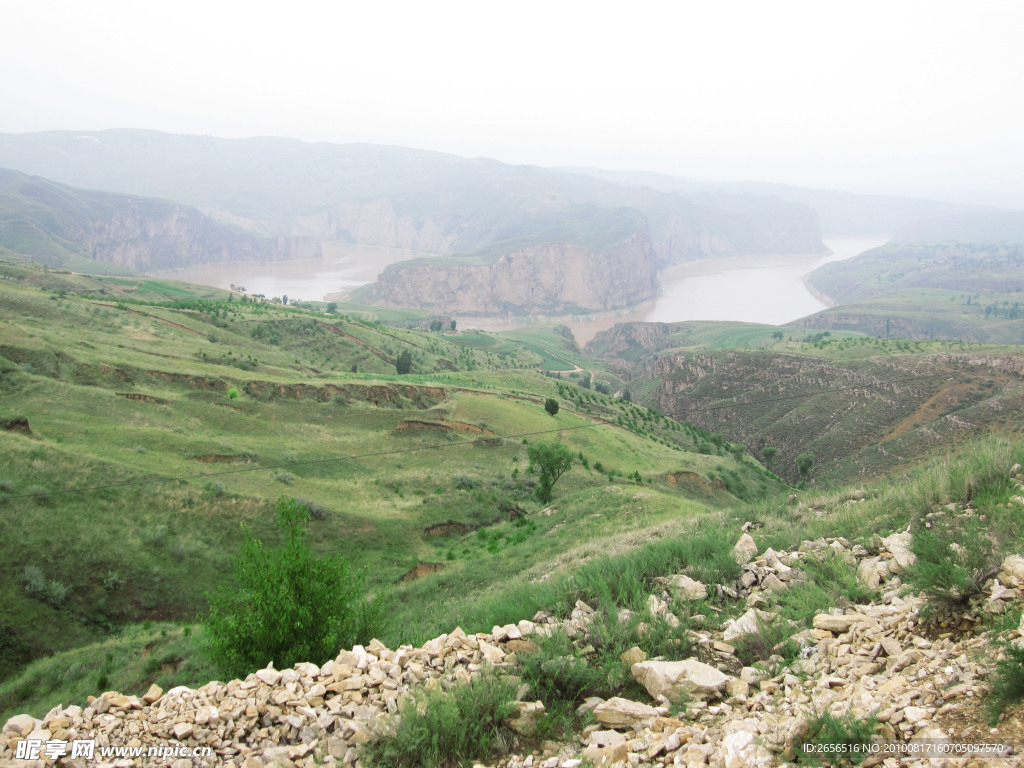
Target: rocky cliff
{"points": [[377, 223], [53, 223], [554, 278], [169, 235]]}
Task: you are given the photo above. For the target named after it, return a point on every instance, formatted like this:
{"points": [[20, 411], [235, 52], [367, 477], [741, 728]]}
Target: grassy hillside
{"points": [[957, 278], [146, 423]]}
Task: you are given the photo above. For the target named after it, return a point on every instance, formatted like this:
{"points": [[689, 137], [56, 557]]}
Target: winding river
{"points": [[762, 289]]}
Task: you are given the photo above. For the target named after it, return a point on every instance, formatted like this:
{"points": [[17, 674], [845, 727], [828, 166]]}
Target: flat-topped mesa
{"points": [[553, 278]]}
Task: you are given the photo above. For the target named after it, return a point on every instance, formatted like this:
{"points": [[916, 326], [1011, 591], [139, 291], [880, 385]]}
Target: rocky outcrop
{"points": [[378, 223], [162, 236], [51, 222], [558, 278]]}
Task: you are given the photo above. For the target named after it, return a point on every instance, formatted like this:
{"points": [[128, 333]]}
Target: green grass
{"points": [[154, 652], [446, 728], [122, 396]]}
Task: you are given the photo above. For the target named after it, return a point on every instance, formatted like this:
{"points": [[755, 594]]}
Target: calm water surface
{"points": [[762, 289]]}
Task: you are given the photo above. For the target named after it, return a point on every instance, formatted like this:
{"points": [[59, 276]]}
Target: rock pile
{"points": [[872, 659]]}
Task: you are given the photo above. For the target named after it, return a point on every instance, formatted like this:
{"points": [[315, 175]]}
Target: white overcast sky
{"points": [[904, 96]]}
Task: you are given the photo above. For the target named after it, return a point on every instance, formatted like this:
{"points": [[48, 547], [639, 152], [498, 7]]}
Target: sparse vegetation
{"points": [[448, 728]]}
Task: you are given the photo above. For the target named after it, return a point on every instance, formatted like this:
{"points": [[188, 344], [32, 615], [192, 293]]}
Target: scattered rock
{"points": [[623, 714], [745, 549], [679, 679]]}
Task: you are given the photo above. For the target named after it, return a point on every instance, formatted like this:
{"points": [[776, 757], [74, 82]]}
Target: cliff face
{"points": [[52, 222], [179, 236], [377, 223], [549, 279]]}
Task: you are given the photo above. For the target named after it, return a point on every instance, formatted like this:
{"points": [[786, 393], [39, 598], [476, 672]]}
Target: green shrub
{"points": [[465, 482], [233, 393], [1006, 684], [284, 477], [955, 557], [289, 605], [457, 727], [844, 734], [771, 640], [38, 587], [315, 511], [558, 675]]}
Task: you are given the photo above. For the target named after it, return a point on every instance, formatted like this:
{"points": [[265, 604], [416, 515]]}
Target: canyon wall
{"points": [[550, 279]]}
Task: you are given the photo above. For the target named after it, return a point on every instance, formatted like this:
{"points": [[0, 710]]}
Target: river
{"points": [[761, 289]]}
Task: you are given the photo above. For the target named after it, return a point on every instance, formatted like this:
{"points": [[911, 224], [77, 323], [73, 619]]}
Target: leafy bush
{"points": [[284, 477], [456, 727], [559, 676], [289, 605]]}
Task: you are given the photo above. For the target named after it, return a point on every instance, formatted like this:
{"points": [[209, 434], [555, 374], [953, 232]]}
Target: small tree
{"points": [[768, 454], [404, 362], [551, 406], [288, 605], [551, 461], [804, 462], [453, 325], [332, 307]]}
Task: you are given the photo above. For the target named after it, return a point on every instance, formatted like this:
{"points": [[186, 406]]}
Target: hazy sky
{"points": [[894, 96]]}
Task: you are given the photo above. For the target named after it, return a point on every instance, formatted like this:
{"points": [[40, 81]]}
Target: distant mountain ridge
{"points": [[842, 214], [395, 197]]}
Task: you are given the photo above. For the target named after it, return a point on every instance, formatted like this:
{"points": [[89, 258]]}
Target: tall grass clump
{"points": [[626, 580], [447, 728]]}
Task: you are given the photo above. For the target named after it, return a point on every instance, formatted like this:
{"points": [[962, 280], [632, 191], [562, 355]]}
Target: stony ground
{"points": [[923, 681]]}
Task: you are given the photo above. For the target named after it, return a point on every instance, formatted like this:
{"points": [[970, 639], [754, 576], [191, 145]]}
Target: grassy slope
{"points": [[951, 290], [119, 393]]}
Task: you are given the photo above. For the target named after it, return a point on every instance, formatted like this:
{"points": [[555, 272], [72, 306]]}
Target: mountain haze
{"points": [[63, 226], [392, 196]]}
